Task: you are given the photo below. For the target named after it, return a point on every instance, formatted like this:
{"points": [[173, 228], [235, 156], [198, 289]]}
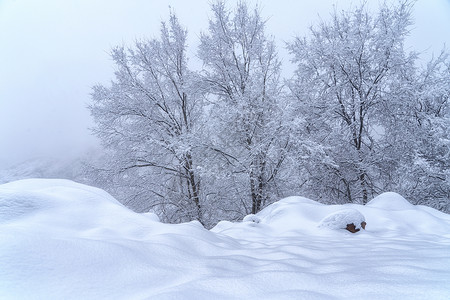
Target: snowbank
{"points": [[63, 240]]}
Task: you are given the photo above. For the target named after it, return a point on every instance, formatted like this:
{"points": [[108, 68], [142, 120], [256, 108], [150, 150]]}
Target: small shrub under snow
{"points": [[341, 218], [251, 218]]}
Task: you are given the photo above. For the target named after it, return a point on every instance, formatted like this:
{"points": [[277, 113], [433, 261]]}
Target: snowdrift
{"points": [[63, 240]]}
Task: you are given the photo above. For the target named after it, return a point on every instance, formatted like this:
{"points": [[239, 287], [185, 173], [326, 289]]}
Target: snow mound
{"points": [[340, 219], [293, 214], [390, 201], [58, 205], [25, 198]]}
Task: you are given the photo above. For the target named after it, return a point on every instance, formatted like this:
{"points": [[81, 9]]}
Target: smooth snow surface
{"points": [[63, 240]]}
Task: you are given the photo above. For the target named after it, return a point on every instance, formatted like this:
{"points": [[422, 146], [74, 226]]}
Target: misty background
{"points": [[52, 52]]}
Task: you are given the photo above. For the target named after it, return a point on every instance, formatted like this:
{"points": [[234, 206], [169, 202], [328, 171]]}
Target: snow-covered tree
{"points": [[373, 119], [149, 120], [422, 170], [362, 117], [344, 84], [241, 72], [433, 118]]}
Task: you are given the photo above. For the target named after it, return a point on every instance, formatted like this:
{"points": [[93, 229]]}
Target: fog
{"points": [[52, 52]]}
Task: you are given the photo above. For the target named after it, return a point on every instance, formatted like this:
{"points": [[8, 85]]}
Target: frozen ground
{"points": [[62, 240]]}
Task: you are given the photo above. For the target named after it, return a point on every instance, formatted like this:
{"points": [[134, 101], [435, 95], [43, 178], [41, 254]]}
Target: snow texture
{"points": [[63, 240]]}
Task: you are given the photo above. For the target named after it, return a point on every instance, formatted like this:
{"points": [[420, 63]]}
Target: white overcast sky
{"points": [[53, 51]]}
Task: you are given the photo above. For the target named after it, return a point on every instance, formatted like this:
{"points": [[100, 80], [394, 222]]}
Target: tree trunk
{"points": [[257, 186], [254, 193], [362, 179], [193, 187]]}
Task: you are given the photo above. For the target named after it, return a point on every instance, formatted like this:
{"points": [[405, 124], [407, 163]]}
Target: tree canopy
{"points": [[359, 117]]}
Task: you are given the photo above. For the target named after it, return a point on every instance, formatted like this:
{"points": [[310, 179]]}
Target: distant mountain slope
{"points": [[45, 168]]}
